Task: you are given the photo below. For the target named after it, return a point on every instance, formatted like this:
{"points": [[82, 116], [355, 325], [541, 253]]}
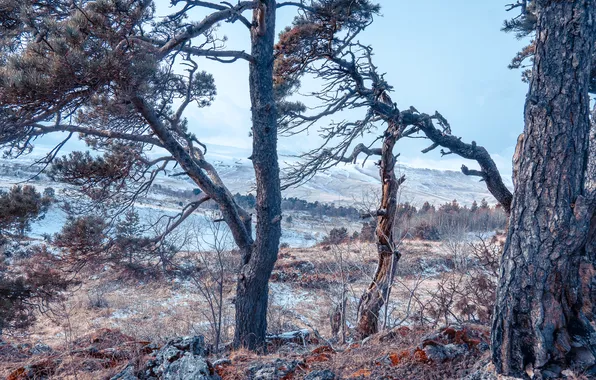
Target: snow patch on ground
{"points": [[285, 296]]}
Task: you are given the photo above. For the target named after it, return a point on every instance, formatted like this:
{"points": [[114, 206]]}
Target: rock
{"points": [[24, 346], [168, 354], [11, 352], [439, 353], [305, 266], [267, 373], [223, 361], [127, 373], [298, 336], [181, 358], [484, 369], [481, 375], [40, 370], [275, 370], [149, 348], [320, 375], [188, 367], [193, 344]]}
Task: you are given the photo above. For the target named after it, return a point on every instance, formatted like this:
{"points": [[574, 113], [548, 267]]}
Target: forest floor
{"points": [[115, 317]]}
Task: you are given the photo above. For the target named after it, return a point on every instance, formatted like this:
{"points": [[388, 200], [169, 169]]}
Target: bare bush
{"points": [[456, 245], [209, 265], [280, 318], [97, 298], [469, 296]]}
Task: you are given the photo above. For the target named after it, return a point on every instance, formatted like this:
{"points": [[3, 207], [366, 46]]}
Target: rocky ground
{"points": [[401, 353]]}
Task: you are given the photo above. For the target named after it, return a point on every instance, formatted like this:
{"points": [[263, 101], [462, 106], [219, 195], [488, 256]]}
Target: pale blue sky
{"points": [[440, 55]]}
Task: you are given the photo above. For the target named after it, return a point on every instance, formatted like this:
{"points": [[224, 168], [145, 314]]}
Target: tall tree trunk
{"points": [[253, 289], [538, 324], [376, 294], [588, 265]]}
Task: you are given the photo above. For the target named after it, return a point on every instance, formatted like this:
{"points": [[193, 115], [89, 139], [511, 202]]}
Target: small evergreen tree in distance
{"points": [[21, 206]]}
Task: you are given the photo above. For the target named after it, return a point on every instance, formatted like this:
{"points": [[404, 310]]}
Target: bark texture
{"points": [[377, 292], [588, 265], [539, 327], [252, 288]]}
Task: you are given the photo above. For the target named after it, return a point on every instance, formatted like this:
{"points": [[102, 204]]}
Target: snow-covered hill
{"points": [[349, 183], [345, 183]]}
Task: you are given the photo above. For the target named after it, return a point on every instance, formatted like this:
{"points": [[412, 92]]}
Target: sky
{"points": [[449, 56]]}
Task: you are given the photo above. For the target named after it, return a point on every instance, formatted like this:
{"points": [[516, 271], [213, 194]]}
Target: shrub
{"points": [[336, 236], [367, 233], [82, 237], [469, 296], [426, 231], [28, 285]]}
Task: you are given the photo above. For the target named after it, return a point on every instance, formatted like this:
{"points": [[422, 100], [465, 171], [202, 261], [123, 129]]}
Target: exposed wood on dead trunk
{"points": [[539, 325], [376, 294]]}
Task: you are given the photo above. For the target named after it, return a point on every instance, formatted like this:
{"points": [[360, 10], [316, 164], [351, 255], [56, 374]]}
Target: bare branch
{"points": [[489, 171], [433, 146], [477, 173], [296, 4], [193, 163], [218, 53], [187, 211], [360, 148], [40, 129], [208, 22]]}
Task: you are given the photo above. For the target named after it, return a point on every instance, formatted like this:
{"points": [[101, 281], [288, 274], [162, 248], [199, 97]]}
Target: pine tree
{"points": [[21, 206], [539, 325], [474, 207]]}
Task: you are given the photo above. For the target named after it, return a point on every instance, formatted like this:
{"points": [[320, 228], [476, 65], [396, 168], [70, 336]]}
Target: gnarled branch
{"points": [[489, 171]]}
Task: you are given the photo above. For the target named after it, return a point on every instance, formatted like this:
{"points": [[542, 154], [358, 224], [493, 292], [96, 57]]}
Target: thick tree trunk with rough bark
{"points": [[252, 289], [376, 295], [539, 327], [588, 265]]}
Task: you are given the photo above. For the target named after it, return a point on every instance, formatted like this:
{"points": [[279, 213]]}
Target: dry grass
{"points": [[155, 310]]}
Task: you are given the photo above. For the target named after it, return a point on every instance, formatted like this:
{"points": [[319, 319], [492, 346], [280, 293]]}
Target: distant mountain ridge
{"points": [[349, 183]]}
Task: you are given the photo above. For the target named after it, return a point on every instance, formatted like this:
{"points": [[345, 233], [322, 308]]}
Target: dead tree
{"points": [[539, 327], [377, 293], [352, 81]]}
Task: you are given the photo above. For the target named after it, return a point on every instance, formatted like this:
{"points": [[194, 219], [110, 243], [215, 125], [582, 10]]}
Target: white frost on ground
{"points": [[285, 296]]}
